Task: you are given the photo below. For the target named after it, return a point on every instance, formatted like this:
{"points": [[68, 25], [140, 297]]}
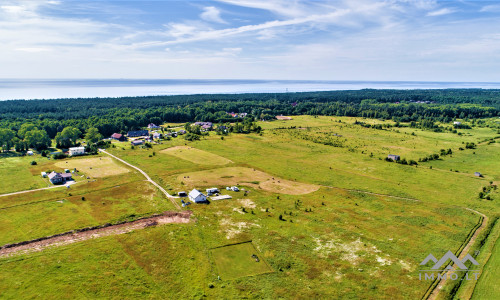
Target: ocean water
{"points": [[90, 88]]}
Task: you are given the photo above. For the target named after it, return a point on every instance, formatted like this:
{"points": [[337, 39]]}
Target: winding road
{"points": [[170, 197]]}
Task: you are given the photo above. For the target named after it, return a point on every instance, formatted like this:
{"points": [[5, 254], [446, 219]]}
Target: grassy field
{"points": [[236, 261], [196, 156], [15, 174], [307, 209], [94, 167]]}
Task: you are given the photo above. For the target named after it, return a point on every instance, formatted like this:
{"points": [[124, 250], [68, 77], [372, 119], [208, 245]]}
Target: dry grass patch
{"points": [[196, 156], [94, 167], [247, 177]]}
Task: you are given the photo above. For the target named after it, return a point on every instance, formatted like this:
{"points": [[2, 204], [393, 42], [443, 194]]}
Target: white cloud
{"points": [[440, 12], [212, 14], [490, 8]]}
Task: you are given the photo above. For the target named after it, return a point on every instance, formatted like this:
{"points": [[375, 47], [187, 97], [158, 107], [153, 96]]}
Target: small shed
{"points": [[235, 189], [212, 191], [394, 157], [477, 174], [197, 196], [30, 152], [182, 194], [44, 174], [137, 142]]}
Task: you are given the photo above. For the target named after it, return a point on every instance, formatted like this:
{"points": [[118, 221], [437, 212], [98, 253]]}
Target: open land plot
{"points": [[196, 156], [235, 261], [15, 174], [94, 167], [63, 211], [248, 177]]}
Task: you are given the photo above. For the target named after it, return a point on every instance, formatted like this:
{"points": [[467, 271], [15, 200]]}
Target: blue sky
{"points": [[252, 39]]}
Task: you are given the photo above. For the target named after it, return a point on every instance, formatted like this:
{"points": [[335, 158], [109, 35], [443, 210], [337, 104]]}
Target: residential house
{"points": [[138, 133], [181, 132], [393, 157], [76, 151], [197, 196], [153, 126], [477, 174], [119, 137], [456, 123], [157, 135], [59, 178]]}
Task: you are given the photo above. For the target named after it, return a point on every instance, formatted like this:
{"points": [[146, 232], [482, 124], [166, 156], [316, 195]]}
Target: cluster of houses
{"points": [[205, 126], [145, 135], [237, 115]]}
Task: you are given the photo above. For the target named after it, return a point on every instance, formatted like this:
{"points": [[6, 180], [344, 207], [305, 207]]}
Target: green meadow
{"points": [[358, 227]]}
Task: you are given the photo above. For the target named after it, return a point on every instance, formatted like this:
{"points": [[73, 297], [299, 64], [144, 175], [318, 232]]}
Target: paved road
{"points": [[439, 287], [41, 189], [170, 197]]}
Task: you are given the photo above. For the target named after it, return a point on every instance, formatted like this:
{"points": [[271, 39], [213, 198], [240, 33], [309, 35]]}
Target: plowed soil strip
{"points": [[69, 238]]}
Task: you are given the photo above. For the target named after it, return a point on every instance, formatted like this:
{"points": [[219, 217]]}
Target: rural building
{"points": [[182, 194], [44, 174], [157, 135], [119, 137], [235, 189], [206, 126], [76, 151], [212, 191], [138, 133], [181, 132], [197, 196], [58, 178], [456, 123], [393, 157], [477, 174], [30, 152], [137, 143], [153, 126]]}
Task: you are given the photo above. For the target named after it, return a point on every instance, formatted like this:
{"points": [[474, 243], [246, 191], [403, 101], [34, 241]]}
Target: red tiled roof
{"points": [[116, 136]]}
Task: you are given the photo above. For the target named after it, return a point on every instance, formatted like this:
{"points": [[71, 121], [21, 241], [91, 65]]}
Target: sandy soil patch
{"points": [[247, 177], [69, 238], [247, 203], [94, 167], [196, 156]]}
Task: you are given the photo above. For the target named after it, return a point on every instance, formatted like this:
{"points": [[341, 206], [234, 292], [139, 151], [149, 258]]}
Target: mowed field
{"points": [[307, 208]]}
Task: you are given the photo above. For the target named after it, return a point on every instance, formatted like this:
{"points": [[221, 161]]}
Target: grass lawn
{"points": [[235, 261], [196, 156], [15, 174], [94, 167]]}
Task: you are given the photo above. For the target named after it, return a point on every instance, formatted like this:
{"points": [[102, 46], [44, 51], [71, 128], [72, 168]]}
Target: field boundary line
{"points": [[169, 197], [434, 292], [371, 193]]}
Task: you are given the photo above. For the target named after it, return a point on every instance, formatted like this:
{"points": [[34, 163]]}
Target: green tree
{"points": [[6, 138], [67, 137], [92, 135], [25, 128], [38, 139]]}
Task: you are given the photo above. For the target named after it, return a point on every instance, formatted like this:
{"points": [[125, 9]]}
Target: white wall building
{"points": [[76, 151], [197, 196]]}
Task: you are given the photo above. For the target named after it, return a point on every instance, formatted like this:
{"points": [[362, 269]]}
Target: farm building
{"points": [[182, 194], [29, 152], [197, 196], [138, 133], [456, 123], [153, 126], [137, 143], [181, 132], [44, 174], [157, 135], [477, 174], [76, 151], [118, 136], [394, 157], [212, 191], [57, 178]]}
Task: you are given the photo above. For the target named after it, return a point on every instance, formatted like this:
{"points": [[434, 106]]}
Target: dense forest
{"points": [[111, 115]]}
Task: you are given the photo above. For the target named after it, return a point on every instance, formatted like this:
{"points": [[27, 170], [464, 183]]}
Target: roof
{"points": [[117, 135], [77, 148], [194, 193], [138, 133], [137, 142], [65, 175], [54, 174]]}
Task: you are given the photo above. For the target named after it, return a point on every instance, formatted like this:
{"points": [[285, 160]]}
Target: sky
{"points": [[420, 40]]}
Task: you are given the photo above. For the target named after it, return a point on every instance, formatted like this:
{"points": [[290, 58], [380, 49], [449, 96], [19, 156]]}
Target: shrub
{"points": [[33, 163], [59, 155]]}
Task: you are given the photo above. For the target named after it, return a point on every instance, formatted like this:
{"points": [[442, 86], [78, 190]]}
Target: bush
{"points": [[33, 163], [59, 155]]}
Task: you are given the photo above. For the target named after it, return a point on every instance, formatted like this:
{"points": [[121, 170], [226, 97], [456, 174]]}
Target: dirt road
{"points": [[70, 237], [170, 197]]}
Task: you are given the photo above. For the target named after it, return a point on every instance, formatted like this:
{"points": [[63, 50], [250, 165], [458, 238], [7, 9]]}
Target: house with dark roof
{"points": [[119, 137], [59, 178], [181, 132], [477, 174], [137, 133]]}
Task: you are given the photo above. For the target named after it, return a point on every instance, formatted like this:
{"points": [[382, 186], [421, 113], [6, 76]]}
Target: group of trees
{"points": [[66, 120]]}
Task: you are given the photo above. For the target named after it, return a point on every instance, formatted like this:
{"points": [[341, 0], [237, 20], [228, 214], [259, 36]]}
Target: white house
{"points": [[212, 191], [456, 123], [76, 151], [197, 196], [29, 152]]}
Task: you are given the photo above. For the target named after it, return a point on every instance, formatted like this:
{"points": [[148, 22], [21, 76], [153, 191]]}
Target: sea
{"points": [[11, 89]]}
